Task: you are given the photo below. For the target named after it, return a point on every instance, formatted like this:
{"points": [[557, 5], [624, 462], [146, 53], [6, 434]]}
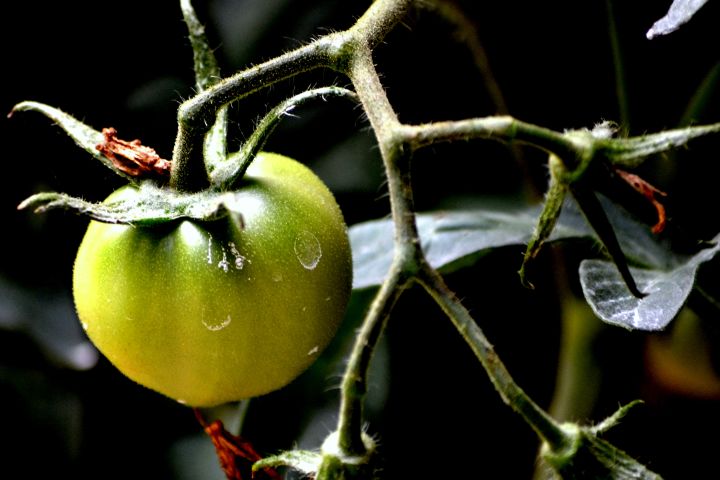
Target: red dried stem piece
{"points": [[236, 454], [133, 157], [650, 193]]}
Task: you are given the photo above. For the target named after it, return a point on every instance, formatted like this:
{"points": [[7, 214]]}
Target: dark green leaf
{"points": [[680, 12], [152, 205], [596, 216], [84, 136], [589, 456], [300, 460], [448, 236], [667, 291]]}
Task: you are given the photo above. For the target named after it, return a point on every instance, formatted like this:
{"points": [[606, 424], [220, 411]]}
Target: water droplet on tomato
{"points": [[240, 259], [209, 250], [223, 264], [216, 327], [307, 249]]}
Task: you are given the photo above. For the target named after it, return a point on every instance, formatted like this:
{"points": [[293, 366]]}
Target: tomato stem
{"points": [[509, 391], [207, 74], [354, 385], [229, 174], [84, 136], [197, 114]]}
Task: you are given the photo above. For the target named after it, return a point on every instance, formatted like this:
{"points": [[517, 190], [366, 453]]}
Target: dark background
{"points": [[128, 65]]}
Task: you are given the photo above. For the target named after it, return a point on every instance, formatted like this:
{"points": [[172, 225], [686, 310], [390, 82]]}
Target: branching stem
{"points": [[509, 391], [197, 115], [227, 175], [500, 128], [350, 52], [397, 142], [200, 162], [354, 385]]}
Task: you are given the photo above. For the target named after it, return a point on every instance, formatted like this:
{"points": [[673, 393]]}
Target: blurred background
{"points": [[67, 412]]}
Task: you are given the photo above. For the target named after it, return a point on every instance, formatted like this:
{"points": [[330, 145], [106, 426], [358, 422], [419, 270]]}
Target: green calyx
{"points": [[159, 203], [585, 455], [338, 464], [153, 205], [194, 184], [332, 463]]}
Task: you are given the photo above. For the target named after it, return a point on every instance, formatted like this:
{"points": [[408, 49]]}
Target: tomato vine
{"points": [[581, 161]]}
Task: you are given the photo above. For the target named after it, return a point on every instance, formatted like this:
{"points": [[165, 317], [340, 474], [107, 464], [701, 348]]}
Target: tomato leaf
{"points": [[596, 216], [449, 236], [631, 152], [301, 460], [681, 11], [589, 456], [207, 74], [452, 237], [666, 291], [84, 136], [153, 205]]}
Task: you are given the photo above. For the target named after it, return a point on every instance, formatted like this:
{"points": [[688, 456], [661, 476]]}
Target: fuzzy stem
{"points": [[509, 391], [375, 23], [207, 74], [196, 115], [228, 175], [396, 143], [354, 385], [500, 128], [378, 21]]}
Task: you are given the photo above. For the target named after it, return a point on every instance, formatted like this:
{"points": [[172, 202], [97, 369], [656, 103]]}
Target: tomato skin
{"points": [[212, 312]]}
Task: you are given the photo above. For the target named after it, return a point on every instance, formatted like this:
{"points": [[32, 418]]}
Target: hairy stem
{"points": [[197, 115], [375, 23], [500, 128], [354, 385], [228, 175], [396, 143], [378, 21], [509, 391], [207, 71], [207, 74]]}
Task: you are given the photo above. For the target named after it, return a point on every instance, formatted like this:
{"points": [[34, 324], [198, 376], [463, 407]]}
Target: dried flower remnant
{"points": [[133, 157], [650, 193], [236, 454]]}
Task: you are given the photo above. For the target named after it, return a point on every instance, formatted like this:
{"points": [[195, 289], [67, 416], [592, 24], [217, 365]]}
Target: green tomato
{"points": [[211, 312]]}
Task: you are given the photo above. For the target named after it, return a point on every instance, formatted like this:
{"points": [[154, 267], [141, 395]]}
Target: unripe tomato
{"points": [[211, 312]]}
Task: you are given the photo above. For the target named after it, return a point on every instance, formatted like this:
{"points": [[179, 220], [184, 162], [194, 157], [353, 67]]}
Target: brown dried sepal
{"points": [[133, 157], [236, 454], [650, 193]]}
